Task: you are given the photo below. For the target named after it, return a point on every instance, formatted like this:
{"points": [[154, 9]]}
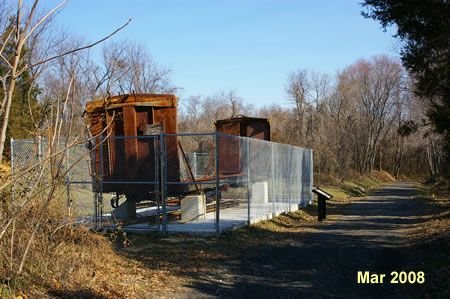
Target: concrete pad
{"points": [[230, 218]]}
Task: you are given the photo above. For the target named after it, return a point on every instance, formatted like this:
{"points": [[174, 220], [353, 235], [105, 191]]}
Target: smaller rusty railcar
{"points": [[230, 149]]}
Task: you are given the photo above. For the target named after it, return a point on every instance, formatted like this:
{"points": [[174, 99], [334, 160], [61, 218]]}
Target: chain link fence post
{"points": [[164, 182], [248, 180], [290, 183], [40, 151], [94, 176], [12, 170], [100, 167], [157, 180], [273, 181], [195, 166], [311, 177], [68, 180], [216, 138]]}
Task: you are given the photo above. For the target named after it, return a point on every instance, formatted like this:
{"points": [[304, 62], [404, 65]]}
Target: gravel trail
{"points": [[366, 235]]}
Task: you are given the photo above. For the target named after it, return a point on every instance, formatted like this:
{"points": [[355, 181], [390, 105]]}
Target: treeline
{"points": [[364, 118], [68, 82]]}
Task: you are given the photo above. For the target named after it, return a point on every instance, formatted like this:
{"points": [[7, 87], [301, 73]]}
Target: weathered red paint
{"points": [[133, 159], [229, 148]]}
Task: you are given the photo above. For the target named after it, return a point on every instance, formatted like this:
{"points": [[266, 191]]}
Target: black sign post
{"points": [[322, 197]]}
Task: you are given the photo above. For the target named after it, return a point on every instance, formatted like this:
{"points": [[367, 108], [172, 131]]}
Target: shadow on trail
{"points": [[366, 236]]}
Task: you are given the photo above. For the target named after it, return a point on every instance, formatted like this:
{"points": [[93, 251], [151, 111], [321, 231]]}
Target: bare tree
{"points": [[297, 90], [341, 123], [376, 89], [309, 92], [38, 193], [282, 125], [189, 114], [18, 32], [365, 115], [128, 67], [199, 112]]}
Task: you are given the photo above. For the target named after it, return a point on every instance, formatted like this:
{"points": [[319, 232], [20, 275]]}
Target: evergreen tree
{"points": [[25, 115], [424, 29]]}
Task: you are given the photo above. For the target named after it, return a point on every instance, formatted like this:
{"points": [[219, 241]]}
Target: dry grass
{"points": [[68, 261], [436, 222], [383, 176], [76, 261], [64, 259], [183, 257], [430, 238]]}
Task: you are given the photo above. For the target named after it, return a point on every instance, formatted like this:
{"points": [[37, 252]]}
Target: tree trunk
{"points": [[9, 99], [430, 162]]}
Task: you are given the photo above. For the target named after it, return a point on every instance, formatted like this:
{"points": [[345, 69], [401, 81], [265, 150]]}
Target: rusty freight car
{"points": [[230, 149], [244, 126], [123, 159]]}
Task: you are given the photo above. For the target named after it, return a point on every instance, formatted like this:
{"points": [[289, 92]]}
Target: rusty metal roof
{"points": [[126, 100], [240, 119]]}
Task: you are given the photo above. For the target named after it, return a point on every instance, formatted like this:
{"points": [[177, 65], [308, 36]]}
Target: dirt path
{"points": [[366, 235]]}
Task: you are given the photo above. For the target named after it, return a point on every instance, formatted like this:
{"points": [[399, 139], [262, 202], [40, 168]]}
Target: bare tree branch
{"points": [[42, 19], [73, 51]]}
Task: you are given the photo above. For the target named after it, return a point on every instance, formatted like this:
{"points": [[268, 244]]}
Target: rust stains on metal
{"points": [[132, 159], [244, 126], [135, 100], [230, 148]]}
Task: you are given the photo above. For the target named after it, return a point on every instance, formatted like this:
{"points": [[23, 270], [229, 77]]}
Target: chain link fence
{"points": [[202, 183], [74, 193]]}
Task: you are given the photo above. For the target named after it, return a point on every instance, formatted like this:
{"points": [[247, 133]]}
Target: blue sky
{"points": [[248, 46]]}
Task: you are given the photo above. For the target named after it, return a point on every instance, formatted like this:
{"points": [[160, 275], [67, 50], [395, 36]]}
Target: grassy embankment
{"points": [[76, 262]]}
